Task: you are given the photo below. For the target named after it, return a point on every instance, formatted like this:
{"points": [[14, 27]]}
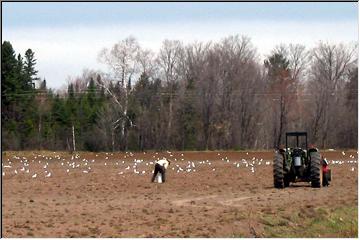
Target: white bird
{"points": [[27, 171], [352, 169], [48, 175], [34, 176], [3, 173], [213, 169], [120, 173], [15, 171], [67, 170], [85, 171], [343, 153]]}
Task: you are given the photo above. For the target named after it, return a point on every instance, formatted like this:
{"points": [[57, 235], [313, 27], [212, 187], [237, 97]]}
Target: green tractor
{"points": [[297, 164]]}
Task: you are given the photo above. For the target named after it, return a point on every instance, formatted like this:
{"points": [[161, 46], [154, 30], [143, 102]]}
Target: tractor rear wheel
{"points": [[278, 170], [316, 170]]}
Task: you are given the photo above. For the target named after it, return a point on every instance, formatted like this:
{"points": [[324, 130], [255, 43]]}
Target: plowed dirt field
{"points": [[206, 194]]}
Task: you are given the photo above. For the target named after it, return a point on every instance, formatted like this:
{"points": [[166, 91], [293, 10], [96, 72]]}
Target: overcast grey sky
{"points": [[66, 37]]}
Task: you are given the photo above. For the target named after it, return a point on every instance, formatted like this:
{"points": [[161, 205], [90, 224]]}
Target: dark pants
{"points": [[161, 169]]}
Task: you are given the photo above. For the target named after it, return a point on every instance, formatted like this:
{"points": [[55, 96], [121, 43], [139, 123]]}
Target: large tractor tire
{"points": [[278, 170], [316, 177]]}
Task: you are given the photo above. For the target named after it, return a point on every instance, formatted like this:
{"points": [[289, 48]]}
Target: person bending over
{"points": [[160, 166]]}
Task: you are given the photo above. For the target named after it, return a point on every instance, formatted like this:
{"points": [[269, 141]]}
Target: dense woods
{"points": [[216, 95]]}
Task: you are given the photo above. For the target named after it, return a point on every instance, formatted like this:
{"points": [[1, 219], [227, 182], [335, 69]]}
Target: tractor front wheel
{"points": [[316, 170], [278, 170]]}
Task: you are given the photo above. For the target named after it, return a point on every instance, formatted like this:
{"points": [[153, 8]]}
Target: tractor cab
{"points": [[296, 146], [299, 163]]}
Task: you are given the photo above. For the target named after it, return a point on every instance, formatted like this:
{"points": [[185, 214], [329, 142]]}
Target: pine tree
{"points": [[29, 69]]}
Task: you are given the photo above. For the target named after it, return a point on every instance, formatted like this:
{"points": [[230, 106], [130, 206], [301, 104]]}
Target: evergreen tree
{"points": [[29, 69]]}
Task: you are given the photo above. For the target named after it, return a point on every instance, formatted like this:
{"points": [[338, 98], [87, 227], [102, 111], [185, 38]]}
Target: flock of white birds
{"points": [[130, 164]]}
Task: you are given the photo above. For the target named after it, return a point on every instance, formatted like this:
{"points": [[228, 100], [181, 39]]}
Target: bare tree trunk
{"points": [[282, 120], [73, 137], [123, 130], [113, 139], [40, 122], [170, 119]]}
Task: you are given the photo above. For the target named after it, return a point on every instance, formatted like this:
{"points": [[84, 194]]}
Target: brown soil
{"points": [[224, 202]]}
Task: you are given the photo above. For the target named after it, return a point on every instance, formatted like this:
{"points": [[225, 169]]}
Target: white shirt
{"points": [[163, 162]]}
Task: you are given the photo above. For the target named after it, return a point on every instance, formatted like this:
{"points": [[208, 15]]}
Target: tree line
{"points": [[198, 96]]}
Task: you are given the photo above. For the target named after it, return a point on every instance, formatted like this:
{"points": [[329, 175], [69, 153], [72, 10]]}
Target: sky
{"points": [[67, 37]]}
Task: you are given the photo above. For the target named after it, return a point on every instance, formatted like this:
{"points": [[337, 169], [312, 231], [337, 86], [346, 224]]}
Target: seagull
{"points": [[48, 175], [343, 153], [3, 173], [67, 170], [34, 176], [27, 171], [85, 171], [15, 171]]}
